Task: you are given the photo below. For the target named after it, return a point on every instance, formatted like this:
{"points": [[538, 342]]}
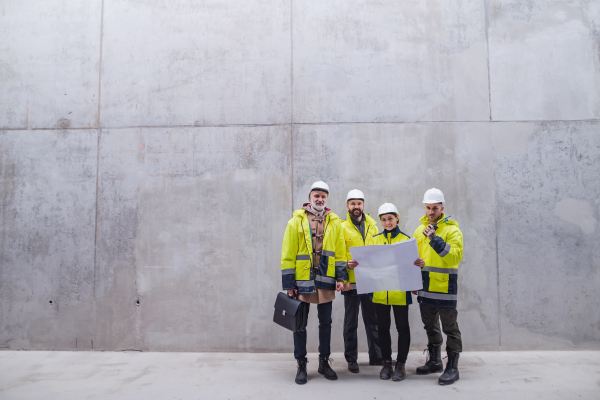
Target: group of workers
{"points": [[316, 262]]}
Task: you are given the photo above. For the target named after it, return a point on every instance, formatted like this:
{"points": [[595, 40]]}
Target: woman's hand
{"points": [[292, 292], [420, 263], [352, 264], [347, 287], [339, 285]]}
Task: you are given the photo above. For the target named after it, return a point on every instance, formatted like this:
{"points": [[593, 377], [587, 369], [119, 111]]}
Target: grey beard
{"points": [[316, 208]]}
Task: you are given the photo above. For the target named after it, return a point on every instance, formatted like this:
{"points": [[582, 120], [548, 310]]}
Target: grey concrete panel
{"points": [[548, 197], [48, 208], [544, 59], [196, 63], [397, 163], [49, 54], [390, 61], [190, 225]]}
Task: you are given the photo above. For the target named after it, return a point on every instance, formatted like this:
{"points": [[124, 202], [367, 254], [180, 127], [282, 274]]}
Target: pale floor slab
{"points": [[135, 375]]}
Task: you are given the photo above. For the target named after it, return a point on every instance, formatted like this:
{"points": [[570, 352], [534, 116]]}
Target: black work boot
{"points": [[325, 368], [301, 374], [450, 375], [399, 372], [386, 369], [353, 367], [434, 361]]}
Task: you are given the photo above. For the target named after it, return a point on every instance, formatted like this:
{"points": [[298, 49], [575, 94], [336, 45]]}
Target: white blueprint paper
{"points": [[387, 267]]}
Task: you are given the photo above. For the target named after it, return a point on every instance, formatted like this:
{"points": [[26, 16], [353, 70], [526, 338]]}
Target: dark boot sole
{"points": [[332, 378], [385, 378], [354, 371], [397, 378], [431, 372], [300, 383], [448, 383]]}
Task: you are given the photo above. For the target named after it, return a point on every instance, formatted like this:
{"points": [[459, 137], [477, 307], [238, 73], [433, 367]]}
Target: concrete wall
{"points": [[152, 151]]}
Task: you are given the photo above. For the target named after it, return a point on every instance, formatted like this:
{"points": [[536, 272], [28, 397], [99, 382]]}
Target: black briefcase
{"points": [[290, 312]]}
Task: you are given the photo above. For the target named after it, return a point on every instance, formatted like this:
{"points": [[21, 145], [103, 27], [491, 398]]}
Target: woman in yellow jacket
{"points": [[396, 301]]}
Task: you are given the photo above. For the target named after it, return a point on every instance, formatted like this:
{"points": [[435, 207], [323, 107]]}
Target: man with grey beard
{"points": [[313, 267]]}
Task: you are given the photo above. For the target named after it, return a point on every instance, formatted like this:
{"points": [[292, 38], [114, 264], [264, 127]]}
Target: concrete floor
{"points": [[134, 375]]}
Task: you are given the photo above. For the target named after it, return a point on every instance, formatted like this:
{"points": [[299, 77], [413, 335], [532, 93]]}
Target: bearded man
{"points": [[313, 267]]}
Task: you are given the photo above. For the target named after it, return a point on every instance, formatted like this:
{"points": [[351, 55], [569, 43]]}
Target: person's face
{"points": [[318, 198], [355, 207], [389, 221], [433, 211]]}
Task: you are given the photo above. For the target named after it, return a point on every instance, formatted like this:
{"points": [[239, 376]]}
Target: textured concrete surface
{"points": [[548, 194], [49, 63], [196, 63], [389, 61], [48, 181], [544, 59], [132, 375], [151, 153]]}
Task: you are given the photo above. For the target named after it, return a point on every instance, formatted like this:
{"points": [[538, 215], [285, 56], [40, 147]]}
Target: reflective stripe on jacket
{"points": [[353, 238], [441, 256], [396, 298], [297, 255]]}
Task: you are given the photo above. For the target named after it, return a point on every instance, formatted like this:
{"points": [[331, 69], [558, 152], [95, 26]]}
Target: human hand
{"points": [[420, 263], [339, 285], [292, 292], [347, 287], [415, 292], [429, 232], [352, 264]]}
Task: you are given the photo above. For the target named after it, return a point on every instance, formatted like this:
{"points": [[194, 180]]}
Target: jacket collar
{"points": [[395, 232]]}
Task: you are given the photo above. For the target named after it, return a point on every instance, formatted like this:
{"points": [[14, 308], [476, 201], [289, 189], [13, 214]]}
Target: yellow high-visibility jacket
{"points": [[353, 238], [396, 298], [297, 255], [442, 256]]}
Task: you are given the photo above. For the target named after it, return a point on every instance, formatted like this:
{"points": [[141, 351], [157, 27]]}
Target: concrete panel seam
{"points": [[300, 123], [487, 46], [292, 105], [100, 66], [496, 225], [96, 216]]}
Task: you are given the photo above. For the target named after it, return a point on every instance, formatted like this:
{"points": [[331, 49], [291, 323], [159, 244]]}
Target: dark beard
{"points": [[356, 213]]}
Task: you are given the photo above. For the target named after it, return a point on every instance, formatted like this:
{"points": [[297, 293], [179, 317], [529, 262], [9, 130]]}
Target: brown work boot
{"points": [[399, 372], [386, 370]]}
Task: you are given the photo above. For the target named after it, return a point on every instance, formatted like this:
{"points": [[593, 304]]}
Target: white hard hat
{"points": [[433, 196], [320, 185], [355, 194], [387, 208]]}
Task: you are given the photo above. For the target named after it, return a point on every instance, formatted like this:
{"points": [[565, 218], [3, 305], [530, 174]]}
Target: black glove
{"points": [[437, 244]]}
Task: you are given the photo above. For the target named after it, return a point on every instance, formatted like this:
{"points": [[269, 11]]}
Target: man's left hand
{"points": [[339, 286], [352, 264]]}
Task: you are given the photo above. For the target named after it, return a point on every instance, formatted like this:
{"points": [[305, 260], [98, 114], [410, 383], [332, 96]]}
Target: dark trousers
{"points": [[431, 316], [385, 340], [324, 314], [352, 305]]}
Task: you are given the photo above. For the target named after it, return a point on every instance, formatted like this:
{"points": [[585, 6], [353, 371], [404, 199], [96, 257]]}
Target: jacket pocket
{"points": [[302, 270], [438, 282]]}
